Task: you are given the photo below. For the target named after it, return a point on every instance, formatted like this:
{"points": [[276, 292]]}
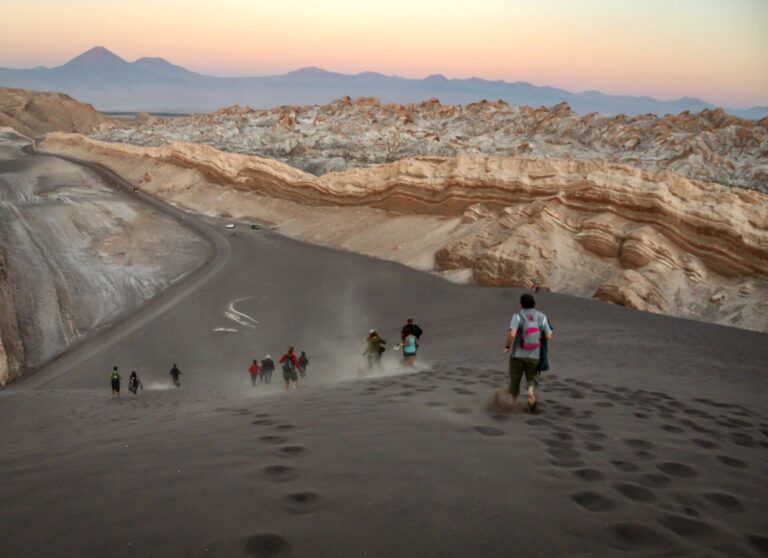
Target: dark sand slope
{"points": [[652, 439]]}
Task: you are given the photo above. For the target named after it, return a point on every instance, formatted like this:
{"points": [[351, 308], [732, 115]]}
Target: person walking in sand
{"points": [[410, 346], [410, 328], [375, 346], [114, 378], [290, 366], [267, 367], [303, 363], [134, 384], [175, 374], [254, 370], [526, 331]]}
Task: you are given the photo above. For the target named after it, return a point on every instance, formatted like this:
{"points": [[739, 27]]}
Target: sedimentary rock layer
{"points": [[711, 145], [653, 240]]}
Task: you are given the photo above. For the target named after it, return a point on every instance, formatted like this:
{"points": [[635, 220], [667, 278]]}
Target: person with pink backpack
{"points": [[526, 331]]}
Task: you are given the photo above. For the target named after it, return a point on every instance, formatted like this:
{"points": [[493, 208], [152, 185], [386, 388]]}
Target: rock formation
{"points": [[711, 145], [35, 113], [648, 239]]}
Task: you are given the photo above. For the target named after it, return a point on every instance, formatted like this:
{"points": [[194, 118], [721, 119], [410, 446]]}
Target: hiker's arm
{"points": [[510, 339], [547, 330]]}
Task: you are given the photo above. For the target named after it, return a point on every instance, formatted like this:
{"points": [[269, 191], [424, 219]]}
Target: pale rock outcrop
{"points": [[649, 239]]}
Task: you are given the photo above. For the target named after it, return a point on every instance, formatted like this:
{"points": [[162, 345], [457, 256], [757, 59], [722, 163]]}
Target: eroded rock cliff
{"points": [[647, 239]]}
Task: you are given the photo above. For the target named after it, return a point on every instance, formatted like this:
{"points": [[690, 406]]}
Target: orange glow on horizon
{"points": [[714, 50]]}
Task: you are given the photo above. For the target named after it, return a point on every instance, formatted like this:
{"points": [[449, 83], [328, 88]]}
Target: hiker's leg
{"points": [[531, 379], [515, 376]]}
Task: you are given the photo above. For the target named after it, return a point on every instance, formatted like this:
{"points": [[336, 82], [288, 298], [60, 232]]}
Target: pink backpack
{"points": [[531, 334]]}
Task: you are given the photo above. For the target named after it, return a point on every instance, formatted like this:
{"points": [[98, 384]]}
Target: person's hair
{"points": [[290, 349], [114, 368], [527, 301], [410, 320], [133, 373], [255, 361]]}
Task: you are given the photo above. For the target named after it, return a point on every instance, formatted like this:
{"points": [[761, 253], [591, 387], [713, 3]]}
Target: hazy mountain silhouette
{"points": [[100, 77]]}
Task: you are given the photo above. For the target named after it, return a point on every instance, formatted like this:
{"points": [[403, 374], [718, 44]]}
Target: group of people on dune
{"points": [[527, 343], [293, 367], [134, 384]]}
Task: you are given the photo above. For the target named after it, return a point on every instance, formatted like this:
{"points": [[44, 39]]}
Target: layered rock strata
{"points": [[711, 145], [652, 240]]}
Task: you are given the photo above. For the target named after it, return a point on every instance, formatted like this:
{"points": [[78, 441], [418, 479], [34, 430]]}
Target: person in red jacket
{"points": [[254, 371], [290, 364]]}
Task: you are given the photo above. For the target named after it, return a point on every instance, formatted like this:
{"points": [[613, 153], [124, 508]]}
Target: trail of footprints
{"points": [[268, 545], [685, 501], [617, 474]]}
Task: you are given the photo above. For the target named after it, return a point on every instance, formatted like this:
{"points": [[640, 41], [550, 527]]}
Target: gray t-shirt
{"points": [[532, 315]]}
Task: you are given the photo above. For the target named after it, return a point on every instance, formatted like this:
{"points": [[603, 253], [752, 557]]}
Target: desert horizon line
{"points": [[437, 75]]}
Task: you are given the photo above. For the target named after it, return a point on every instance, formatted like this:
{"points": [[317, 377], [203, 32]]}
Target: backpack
{"points": [[531, 333], [288, 365]]}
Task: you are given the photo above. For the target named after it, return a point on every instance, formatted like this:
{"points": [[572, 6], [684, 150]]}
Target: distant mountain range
{"points": [[110, 83]]}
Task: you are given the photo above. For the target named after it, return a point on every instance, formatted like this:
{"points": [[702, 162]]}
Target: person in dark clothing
{"points": [[134, 384], [254, 370], [114, 378], [375, 346], [303, 363], [411, 328], [175, 373], [290, 367], [267, 367]]}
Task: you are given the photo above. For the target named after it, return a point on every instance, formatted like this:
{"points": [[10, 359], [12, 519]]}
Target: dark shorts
{"points": [[115, 385], [519, 367], [290, 376]]}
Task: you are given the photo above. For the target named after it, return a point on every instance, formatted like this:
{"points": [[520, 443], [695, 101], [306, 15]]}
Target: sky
{"points": [[712, 49]]}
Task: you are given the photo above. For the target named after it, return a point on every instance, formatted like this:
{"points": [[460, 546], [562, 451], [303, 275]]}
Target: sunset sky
{"points": [[713, 49]]}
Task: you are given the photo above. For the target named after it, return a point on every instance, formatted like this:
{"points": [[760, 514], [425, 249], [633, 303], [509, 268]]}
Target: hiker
{"points": [[409, 328], [410, 346], [175, 373], [115, 379], [134, 384], [374, 349], [254, 371], [303, 363], [290, 366], [526, 331], [267, 367]]}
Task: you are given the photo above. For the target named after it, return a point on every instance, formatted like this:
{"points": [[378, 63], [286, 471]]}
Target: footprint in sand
{"points": [[672, 428], [732, 462], [279, 473], [488, 430], [687, 527], [741, 439], [264, 422], [593, 501], [301, 503], [267, 545], [566, 463], [677, 469], [725, 501], [706, 444], [636, 443], [461, 411], [634, 492], [285, 427]]}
